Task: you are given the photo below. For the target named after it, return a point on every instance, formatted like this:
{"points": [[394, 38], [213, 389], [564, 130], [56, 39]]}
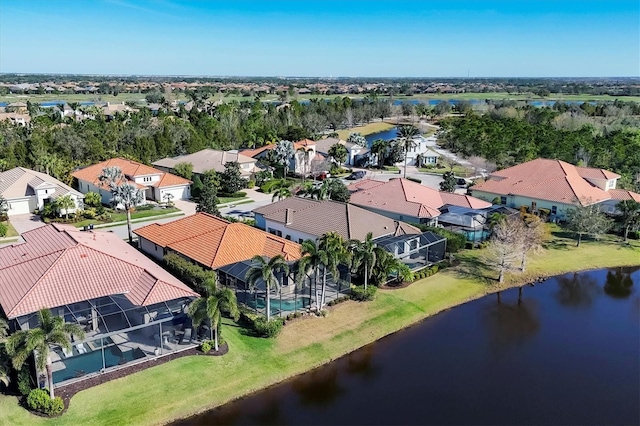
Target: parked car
{"points": [[322, 175], [356, 175]]}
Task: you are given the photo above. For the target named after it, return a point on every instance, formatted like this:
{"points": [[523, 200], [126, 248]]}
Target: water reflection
{"points": [[511, 324], [320, 387], [577, 290], [271, 413], [619, 283], [360, 363]]}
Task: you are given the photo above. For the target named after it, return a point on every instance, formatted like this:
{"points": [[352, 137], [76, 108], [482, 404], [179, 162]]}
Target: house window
{"points": [[288, 237], [300, 240], [533, 206], [554, 209], [147, 179], [503, 200]]}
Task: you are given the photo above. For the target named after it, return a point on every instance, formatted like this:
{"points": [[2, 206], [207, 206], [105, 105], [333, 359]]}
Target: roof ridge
{"points": [[32, 258], [348, 220], [215, 253], [39, 280]]}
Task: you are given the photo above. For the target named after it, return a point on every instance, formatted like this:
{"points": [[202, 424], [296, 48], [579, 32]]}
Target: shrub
{"points": [[89, 213], [268, 329], [359, 293], [25, 381], [39, 400], [414, 179], [455, 241], [3, 230], [268, 186], [206, 346], [187, 270], [251, 184]]}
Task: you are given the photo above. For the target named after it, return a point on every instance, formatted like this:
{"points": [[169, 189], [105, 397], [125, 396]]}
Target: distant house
{"points": [[300, 219], [225, 247], [553, 185], [298, 164], [130, 308], [354, 152], [402, 199], [15, 118], [211, 159], [154, 183], [110, 110], [27, 190]]}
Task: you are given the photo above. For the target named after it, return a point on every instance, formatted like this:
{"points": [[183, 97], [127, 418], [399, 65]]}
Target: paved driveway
{"points": [[26, 222]]}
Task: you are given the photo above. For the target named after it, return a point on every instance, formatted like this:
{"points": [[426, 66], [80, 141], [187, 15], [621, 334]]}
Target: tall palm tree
{"points": [[630, 215], [335, 253], [313, 257], [129, 196], [364, 254], [379, 148], [305, 153], [405, 134], [210, 307], [283, 152], [65, 203], [52, 330], [266, 271]]}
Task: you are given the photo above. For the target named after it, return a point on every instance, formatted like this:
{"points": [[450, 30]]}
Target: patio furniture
{"points": [[81, 348], [67, 352], [186, 337]]}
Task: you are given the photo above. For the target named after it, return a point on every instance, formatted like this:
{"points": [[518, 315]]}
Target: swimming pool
{"points": [[91, 362]]}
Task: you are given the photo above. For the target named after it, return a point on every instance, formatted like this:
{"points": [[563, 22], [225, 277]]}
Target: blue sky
{"points": [[401, 38]]}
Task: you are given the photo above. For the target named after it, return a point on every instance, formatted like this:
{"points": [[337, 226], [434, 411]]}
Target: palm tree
{"points": [[4, 366], [364, 254], [335, 253], [405, 134], [312, 258], [266, 271], [306, 158], [211, 306], [65, 203], [283, 152], [281, 192], [129, 196], [379, 148], [630, 215], [52, 330]]}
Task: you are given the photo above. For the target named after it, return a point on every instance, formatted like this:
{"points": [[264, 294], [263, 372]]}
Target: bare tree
{"points": [[587, 219], [533, 232], [505, 246]]}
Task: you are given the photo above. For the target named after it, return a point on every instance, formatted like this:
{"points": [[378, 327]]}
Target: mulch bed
{"points": [[67, 392], [395, 285]]}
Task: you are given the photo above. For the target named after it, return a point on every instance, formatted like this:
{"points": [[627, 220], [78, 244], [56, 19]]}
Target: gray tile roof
{"points": [[319, 217], [20, 182], [206, 159]]}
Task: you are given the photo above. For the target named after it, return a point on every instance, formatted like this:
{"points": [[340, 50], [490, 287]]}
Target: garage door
{"points": [[18, 207], [181, 193]]}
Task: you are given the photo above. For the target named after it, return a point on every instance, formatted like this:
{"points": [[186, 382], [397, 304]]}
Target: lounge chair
{"points": [[81, 348], [68, 353], [186, 337]]}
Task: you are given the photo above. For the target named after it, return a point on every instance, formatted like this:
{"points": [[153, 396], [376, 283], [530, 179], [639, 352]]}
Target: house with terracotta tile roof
{"points": [[27, 190], [227, 248], [130, 308], [210, 159], [155, 184], [354, 152], [300, 219], [553, 185], [405, 200]]}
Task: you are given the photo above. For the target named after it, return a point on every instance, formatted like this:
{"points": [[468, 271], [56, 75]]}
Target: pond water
{"points": [[386, 135], [568, 354]]}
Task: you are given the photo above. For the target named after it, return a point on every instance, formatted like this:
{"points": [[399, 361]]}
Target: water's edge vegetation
{"points": [[191, 385]]}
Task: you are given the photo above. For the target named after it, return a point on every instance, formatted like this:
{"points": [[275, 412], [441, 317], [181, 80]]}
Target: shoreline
{"points": [[192, 385], [489, 292]]}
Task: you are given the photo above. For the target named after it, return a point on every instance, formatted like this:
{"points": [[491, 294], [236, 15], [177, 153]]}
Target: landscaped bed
{"points": [[192, 384], [114, 216]]}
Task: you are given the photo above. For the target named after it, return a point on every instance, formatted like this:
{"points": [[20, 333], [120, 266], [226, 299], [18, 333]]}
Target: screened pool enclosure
{"points": [[117, 333], [292, 296]]}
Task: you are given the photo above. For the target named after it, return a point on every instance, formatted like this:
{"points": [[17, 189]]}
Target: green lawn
{"points": [[365, 130], [225, 200], [11, 231], [457, 170], [121, 216], [188, 385]]}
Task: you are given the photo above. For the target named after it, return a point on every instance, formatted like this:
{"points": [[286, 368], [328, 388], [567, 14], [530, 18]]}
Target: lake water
{"points": [[569, 354], [386, 135]]}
